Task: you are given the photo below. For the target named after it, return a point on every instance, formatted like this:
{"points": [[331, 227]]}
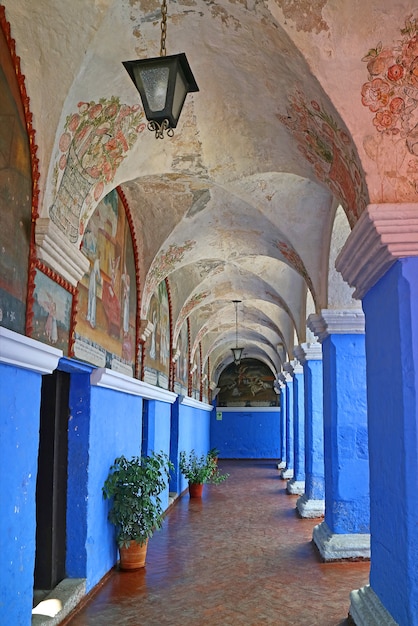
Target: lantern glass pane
{"points": [[155, 81], [180, 92]]}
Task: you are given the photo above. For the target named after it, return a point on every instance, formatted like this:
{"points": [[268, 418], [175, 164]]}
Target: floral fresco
{"points": [[391, 95], [95, 141], [330, 150], [193, 302], [164, 263], [296, 262]]}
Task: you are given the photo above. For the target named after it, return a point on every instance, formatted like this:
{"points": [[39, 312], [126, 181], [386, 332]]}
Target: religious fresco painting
{"points": [[157, 353], [15, 197], [52, 312], [249, 384], [196, 375], [105, 331], [391, 95], [180, 368]]}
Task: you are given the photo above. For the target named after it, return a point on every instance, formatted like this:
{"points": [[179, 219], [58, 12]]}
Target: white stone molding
{"points": [[59, 602], [309, 508], [26, 353], [286, 474], [337, 322], [145, 329], [196, 404], [337, 547], [285, 377], [281, 465], [367, 610], [54, 249], [103, 377], [383, 234], [308, 352], [295, 487]]}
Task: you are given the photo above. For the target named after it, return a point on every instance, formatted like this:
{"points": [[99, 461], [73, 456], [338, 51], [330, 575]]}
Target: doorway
{"points": [[51, 484]]}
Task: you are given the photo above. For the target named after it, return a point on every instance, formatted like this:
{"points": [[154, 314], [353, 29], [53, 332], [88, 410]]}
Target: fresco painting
{"points": [[105, 332], [15, 197], [249, 384], [391, 95], [180, 371], [157, 353], [52, 310]]}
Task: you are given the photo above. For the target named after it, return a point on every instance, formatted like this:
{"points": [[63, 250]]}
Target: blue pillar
{"points": [[296, 485], [392, 379], [287, 472], [312, 503], [282, 463], [345, 532]]}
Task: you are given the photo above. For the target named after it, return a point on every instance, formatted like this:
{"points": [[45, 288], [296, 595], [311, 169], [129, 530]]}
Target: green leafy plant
{"points": [[201, 469], [134, 486]]}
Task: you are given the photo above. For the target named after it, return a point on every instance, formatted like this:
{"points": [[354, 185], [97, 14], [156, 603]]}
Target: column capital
{"points": [[337, 322], [285, 377], [308, 352], [383, 234], [293, 367]]}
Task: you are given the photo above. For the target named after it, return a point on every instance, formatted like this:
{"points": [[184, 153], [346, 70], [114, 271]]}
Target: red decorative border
{"points": [[33, 148], [170, 317], [139, 346]]}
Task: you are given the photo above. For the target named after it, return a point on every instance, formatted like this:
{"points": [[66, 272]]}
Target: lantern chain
{"points": [[163, 27]]}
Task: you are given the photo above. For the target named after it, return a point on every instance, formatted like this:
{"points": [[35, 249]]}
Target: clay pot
{"points": [[195, 490], [133, 557]]}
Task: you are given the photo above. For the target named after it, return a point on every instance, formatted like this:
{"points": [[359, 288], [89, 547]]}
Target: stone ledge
{"points": [[59, 602], [339, 547], [367, 610]]}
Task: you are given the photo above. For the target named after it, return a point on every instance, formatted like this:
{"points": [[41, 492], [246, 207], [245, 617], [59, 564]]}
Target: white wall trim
{"points": [[247, 409], [196, 404], [337, 322], [27, 353], [103, 377]]}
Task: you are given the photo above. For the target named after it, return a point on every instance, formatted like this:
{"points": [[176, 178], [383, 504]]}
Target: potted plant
{"points": [[134, 486], [199, 470]]}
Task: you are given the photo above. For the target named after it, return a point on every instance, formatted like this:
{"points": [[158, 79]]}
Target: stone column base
{"points": [[286, 474], [281, 465], [367, 610], [337, 547], [295, 487], [310, 508]]}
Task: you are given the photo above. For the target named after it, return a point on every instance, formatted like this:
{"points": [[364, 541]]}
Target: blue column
{"points": [[392, 379], [287, 472], [312, 503], [296, 485], [345, 532], [282, 462]]}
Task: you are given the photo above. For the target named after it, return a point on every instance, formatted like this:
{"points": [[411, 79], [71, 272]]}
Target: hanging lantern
{"points": [[163, 83], [237, 352]]}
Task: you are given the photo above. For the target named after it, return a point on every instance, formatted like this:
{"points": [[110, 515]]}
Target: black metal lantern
{"points": [[237, 352], [163, 83]]}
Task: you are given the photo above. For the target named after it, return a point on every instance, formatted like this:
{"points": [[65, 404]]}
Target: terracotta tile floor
{"points": [[240, 556]]}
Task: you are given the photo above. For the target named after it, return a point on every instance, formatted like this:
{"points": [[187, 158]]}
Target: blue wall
{"points": [[246, 434], [20, 394], [193, 434]]}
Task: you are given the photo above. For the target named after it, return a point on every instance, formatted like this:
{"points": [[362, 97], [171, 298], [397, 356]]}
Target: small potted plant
{"points": [[199, 470], [134, 486]]}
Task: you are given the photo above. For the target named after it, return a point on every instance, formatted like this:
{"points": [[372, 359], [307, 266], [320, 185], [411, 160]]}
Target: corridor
{"points": [[241, 556]]}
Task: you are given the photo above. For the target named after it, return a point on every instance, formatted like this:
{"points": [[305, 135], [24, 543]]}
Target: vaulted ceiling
{"points": [[273, 160]]}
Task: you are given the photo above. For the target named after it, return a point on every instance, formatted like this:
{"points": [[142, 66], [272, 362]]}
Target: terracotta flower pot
{"points": [[133, 557], [195, 490]]}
